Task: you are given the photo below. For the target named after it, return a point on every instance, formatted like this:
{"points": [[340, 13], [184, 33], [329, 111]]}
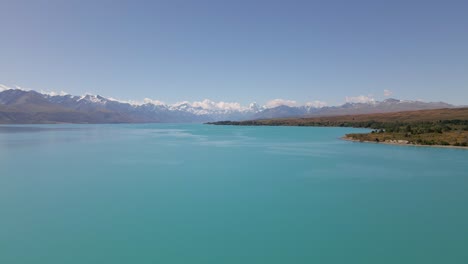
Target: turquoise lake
{"points": [[170, 193]]}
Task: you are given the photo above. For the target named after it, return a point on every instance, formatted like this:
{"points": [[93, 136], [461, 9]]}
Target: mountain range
{"points": [[19, 106]]}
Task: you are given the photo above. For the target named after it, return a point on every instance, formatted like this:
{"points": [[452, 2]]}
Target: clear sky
{"points": [[238, 51]]}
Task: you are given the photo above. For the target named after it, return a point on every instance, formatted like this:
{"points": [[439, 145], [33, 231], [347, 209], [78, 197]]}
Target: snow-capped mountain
{"points": [[21, 106]]}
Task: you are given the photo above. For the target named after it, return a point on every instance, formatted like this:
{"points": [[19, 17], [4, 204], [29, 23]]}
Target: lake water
{"points": [[165, 193]]}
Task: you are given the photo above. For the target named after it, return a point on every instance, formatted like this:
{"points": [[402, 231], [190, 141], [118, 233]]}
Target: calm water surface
{"points": [[219, 194]]}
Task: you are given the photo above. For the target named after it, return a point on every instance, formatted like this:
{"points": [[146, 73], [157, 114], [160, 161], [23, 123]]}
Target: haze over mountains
{"points": [[27, 107]]}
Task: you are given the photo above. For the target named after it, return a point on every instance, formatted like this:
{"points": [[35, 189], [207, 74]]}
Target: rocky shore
{"points": [[400, 143]]}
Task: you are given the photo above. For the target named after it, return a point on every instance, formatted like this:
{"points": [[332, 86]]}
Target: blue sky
{"points": [[238, 51]]}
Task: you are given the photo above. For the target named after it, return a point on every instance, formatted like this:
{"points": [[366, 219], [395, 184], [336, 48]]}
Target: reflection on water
{"points": [[14, 136], [28, 129]]}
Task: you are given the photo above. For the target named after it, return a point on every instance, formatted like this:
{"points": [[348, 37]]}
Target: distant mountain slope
{"points": [[429, 115], [25, 107], [386, 106]]}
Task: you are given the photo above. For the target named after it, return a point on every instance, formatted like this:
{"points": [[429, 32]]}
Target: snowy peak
{"points": [[96, 99]]}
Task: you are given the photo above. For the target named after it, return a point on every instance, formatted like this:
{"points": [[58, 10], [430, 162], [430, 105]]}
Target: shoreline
{"points": [[401, 144]]}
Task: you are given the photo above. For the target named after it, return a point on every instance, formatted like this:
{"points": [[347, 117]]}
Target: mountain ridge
{"points": [[19, 106]]}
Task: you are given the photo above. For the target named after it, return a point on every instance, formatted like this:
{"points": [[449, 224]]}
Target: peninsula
{"points": [[437, 127]]}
